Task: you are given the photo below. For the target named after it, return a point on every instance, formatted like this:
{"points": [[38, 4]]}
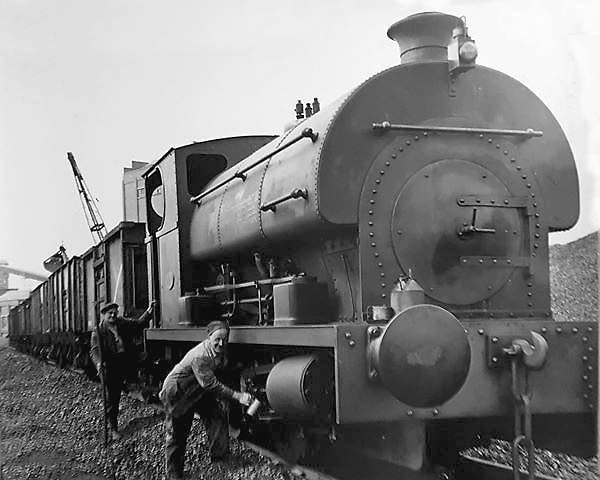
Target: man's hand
{"points": [[245, 398], [152, 306]]}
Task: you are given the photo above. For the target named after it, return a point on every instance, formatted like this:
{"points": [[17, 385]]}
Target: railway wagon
{"points": [[55, 322], [384, 262]]}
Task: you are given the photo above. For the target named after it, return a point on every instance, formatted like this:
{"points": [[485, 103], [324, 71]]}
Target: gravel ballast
{"points": [[51, 428]]}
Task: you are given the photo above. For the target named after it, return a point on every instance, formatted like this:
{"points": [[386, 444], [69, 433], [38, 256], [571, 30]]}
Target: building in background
{"points": [[134, 209]]}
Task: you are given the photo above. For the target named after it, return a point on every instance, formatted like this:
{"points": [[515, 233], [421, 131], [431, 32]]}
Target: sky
{"points": [[115, 81]]}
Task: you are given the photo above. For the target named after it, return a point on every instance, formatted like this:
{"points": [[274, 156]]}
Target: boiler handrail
{"points": [[306, 133]]}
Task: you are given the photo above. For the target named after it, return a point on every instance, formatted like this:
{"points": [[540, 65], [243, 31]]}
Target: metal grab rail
{"points": [[296, 193], [530, 132], [241, 174]]}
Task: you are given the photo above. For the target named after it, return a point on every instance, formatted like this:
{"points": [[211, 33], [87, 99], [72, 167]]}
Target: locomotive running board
{"points": [[301, 335]]}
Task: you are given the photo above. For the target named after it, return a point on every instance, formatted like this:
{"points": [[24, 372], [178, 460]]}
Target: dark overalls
{"points": [[118, 359], [190, 387]]}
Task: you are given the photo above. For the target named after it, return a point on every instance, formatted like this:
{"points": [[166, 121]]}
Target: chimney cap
{"points": [[424, 36]]}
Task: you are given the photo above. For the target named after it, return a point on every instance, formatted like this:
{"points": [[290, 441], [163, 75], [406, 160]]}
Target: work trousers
{"points": [[113, 382], [214, 414]]}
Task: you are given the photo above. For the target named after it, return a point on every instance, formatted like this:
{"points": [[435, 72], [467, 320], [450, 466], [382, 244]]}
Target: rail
{"points": [[241, 174]]}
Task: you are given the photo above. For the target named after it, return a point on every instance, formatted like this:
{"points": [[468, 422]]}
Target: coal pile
{"points": [[574, 279], [51, 428]]}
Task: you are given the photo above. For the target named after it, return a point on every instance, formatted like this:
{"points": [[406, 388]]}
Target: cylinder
{"points": [[301, 387]]}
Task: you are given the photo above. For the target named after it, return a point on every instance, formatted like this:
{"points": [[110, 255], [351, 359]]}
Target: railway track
{"points": [[353, 467], [336, 464]]}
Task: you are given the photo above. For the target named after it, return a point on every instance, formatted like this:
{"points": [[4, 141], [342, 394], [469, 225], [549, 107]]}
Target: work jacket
{"points": [[192, 377], [105, 345]]}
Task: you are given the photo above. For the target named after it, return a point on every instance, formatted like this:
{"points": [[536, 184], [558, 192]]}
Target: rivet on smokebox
{"points": [[410, 413], [494, 339], [558, 330], [436, 412], [348, 335], [351, 343], [584, 339], [494, 359], [480, 331], [575, 330]]}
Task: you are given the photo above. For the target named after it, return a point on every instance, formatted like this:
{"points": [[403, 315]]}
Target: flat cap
{"points": [[217, 325], [108, 306]]}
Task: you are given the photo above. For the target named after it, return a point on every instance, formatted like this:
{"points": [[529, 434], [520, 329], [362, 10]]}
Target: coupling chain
{"points": [[522, 413]]}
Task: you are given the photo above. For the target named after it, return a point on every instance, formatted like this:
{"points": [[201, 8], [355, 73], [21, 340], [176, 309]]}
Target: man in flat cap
{"points": [[193, 386], [111, 352]]}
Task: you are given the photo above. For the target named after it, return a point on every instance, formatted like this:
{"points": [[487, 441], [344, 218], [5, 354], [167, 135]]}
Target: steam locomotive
{"points": [[383, 263]]}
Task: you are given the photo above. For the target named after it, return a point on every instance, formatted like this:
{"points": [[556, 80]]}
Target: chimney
{"points": [[424, 37]]}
